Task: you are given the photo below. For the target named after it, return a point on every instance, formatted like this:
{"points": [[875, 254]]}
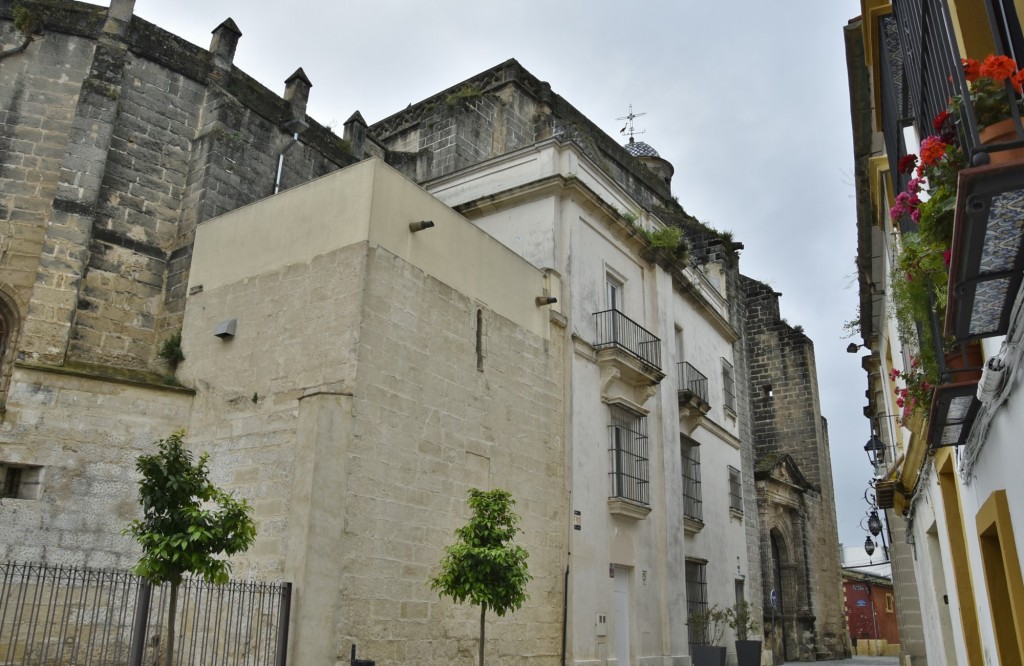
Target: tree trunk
{"points": [[171, 612], [483, 610]]}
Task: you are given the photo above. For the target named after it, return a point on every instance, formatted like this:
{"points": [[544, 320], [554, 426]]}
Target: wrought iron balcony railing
{"points": [[616, 330], [690, 379]]}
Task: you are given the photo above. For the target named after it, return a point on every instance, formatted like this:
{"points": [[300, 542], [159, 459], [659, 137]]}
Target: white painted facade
{"points": [[627, 559]]}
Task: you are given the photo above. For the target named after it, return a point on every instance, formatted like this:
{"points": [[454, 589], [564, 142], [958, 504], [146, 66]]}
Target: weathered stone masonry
{"points": [[154, 135]]}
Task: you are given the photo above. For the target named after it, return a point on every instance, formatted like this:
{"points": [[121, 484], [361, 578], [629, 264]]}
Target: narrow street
{"points": [[857, 661]]}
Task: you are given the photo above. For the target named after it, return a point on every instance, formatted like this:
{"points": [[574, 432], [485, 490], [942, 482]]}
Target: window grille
{"points": [[696, 599], [628, 454], [692, 503], [735, 490], [728, 385]]}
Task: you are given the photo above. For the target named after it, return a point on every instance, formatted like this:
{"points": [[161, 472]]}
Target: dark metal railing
{"points": [[895, 99], [628, 455], [76, 615], [691, 379], [615, 329], [935, 74]]}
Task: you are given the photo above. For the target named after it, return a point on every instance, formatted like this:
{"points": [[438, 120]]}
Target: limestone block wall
{"points": [[350, 409], [296, 333], [80, 436], [38, 92], [432, 419]]}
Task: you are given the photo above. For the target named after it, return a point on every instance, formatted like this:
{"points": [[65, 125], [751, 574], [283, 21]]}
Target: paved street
{"points": [[857, 661]]}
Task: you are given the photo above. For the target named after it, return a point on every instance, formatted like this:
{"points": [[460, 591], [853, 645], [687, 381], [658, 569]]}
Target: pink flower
{"points": [[947, 257]]}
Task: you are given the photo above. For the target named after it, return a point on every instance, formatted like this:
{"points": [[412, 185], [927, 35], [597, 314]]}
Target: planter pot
{"points": [[885, 494], [965, 366], [708, 655], [748, 653], [1001, 132]]}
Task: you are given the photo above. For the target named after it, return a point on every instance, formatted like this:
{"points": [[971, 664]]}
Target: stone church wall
{"points": [[116, 140]]}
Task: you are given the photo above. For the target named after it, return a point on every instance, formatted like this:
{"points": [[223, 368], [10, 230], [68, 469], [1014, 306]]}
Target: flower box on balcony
{"points": [[987, 257]]}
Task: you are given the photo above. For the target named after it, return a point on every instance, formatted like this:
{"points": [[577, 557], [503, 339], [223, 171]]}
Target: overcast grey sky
{"points": [[748, 100]]}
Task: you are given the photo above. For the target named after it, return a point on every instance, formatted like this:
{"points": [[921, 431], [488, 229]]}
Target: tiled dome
{"points": [[640, 149]]}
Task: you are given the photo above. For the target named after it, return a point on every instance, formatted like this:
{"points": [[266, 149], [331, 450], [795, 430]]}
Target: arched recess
{"points": [[10, 328]]}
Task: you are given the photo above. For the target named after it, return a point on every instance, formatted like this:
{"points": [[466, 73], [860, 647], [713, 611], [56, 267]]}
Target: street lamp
{"points": [[869, 546], [875, 448], [874, 523]]}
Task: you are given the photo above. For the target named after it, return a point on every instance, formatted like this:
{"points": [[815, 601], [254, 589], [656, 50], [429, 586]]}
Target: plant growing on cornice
{"points": [[170, 350], [465, 94], [987, 81]]}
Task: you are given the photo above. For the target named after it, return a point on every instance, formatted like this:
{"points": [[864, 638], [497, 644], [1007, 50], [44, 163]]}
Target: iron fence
{"points": [[693, 380], [615, 329], [56, 615]]}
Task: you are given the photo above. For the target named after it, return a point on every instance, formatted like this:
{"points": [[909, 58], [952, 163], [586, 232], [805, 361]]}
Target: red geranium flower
{"points": [[1018, 81], [940, 120], [972, 69], [932, 150], [998, 67], [907, 163]]}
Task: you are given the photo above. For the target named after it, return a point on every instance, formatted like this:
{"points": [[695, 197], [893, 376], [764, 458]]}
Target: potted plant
{"points": [[744, 622], [919, 276], [707, 628], [987, 81]]}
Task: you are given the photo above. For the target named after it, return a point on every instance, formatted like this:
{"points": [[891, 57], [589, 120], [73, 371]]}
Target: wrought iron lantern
{"points": [[874, 523], [875, 448]]}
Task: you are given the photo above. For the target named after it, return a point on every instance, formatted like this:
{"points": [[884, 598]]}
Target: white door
{"points": [[621, 616]]}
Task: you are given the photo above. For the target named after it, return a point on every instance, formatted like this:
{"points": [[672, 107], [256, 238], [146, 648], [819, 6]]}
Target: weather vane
{"points": [[627, 129]]}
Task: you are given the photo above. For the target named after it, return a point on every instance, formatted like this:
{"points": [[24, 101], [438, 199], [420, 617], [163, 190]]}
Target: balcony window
{"points": [[735, 490], [692, 504], [617, 331], [728, 386], [628, 455]]}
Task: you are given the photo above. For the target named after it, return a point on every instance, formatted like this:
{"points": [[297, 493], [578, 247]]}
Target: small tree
{"points": [[483, 565], [187, 522]]}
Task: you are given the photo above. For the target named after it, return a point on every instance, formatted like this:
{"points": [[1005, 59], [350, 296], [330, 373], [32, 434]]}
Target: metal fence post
{"points": [[140, 624], [283, 619]]}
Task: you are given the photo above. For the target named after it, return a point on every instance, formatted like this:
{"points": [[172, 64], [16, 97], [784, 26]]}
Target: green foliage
{"points": [[170, 350], [742, 619], [463, 95], [667, 238], [26, 21], [483, 565], [187, 522], [707, 627]]}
